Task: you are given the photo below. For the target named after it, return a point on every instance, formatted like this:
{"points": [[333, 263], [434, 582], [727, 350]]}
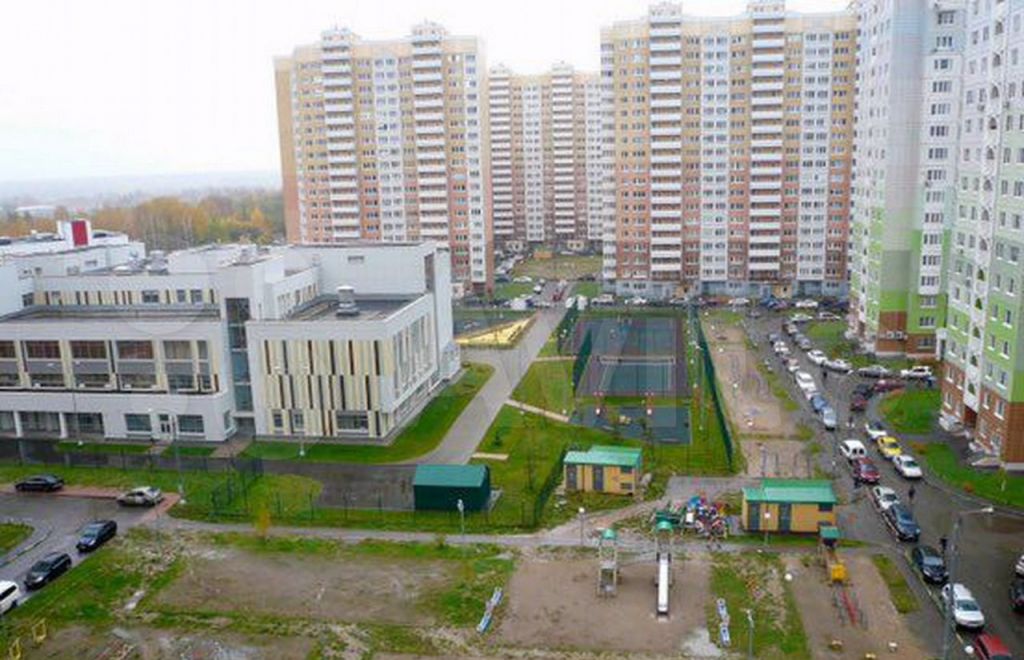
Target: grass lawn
{"points": [[103, 447], [200, 452], [508, 290], [779, 390], [912, 411], [828, 336], [995, 486], [588, 289], [421, 436], [547, 385], [778, 630], [560, 267], [903, 598], [11, 536]]}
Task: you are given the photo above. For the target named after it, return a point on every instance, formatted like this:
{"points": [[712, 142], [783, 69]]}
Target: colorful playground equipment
{"points": [[663, 538], [608, 563], [706, 518], [835, 569]]}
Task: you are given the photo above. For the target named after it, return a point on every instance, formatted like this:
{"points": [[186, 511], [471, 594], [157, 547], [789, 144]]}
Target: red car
{"points": [[887, 385], [990, 647], [865, 471]]}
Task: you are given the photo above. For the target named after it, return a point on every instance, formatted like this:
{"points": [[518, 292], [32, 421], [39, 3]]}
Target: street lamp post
{"points": [[173, 423], [750, 634], [461, 506], [583, 524], [954, 551]]}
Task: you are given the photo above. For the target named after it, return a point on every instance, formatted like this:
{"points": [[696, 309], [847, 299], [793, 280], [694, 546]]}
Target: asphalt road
{"points": [[990, 544], [57, 522]]}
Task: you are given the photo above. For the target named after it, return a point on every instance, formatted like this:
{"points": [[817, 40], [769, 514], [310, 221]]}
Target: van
{"points": [[852, 449], [9, 595]]}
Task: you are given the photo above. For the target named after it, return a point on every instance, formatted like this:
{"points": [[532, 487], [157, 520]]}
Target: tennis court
{"points": [[631, 356], [670, 424]]}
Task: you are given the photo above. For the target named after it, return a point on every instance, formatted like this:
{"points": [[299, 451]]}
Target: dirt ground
{"points": [[879, 622], [786, 459], [353, 589], [554, 604], [154, 644]]}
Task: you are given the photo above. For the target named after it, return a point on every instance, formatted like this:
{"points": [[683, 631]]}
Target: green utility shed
{"points": [[440, 487]]}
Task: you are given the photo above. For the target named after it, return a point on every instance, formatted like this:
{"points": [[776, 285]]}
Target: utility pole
{"points": [[750, 634]]}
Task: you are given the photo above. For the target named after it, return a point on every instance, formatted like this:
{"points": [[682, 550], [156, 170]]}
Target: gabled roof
{"points": [[451, 476], [811, 491], [605, 455]]}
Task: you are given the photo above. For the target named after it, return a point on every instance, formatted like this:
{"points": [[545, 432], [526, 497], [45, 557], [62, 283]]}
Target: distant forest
{"points": [[169, 223]]}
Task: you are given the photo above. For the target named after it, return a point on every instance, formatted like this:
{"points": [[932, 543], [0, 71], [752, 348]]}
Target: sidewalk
{"points": [[537, 411]]}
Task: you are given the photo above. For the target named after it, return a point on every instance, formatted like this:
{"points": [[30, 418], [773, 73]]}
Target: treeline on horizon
{"points": [[170, 223]]}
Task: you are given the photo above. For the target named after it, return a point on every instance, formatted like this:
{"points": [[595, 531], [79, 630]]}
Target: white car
{"points": [[780, 348], [637, 301], [739, 302], [852, 449], [828, 316], [1019, 568], [875, 430], [806, 383], [522, 279], [792, 365], [884, 497], [817, 357], [141, 496], [966, 611], [800, 318], [907, 466], [10, 593], [806, 304], [842, 366], [918, 372]]}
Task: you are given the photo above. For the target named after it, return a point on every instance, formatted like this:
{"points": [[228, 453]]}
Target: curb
{"points": [[25, 548]]}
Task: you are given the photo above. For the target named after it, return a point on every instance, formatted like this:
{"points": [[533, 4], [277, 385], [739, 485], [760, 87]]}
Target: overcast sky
{"points": [[115, 87]]}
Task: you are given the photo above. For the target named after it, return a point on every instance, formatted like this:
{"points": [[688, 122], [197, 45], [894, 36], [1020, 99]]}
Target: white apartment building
{"points": [[201, 343], [731, 145], [387, 140]]}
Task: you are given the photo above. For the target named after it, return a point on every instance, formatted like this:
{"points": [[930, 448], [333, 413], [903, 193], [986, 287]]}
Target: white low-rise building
{"points": [[320, 341]]}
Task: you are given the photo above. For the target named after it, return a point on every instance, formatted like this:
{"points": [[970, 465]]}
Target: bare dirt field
{"points": [[786, 459], [155, 644], [554, 604], [869, 595], [352, 589]]}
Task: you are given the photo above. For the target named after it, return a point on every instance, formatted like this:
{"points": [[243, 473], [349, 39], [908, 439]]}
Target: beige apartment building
{"points": [[731, 140], [547, 174], [386, 140]]}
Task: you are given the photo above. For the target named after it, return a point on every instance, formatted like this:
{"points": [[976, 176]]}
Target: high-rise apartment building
{"points": [[983, 379], [732, 142], [547, 176], [386, 140], [908, 115]]}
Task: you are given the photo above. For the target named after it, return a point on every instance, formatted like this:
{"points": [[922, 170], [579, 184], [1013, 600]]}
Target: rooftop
{"points": [[103, 312], [605, 455], [810, 491], [370, 308], [452, 476]]}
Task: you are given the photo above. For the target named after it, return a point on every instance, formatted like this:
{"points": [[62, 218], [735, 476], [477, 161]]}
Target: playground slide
{"points": [[663, 583]]}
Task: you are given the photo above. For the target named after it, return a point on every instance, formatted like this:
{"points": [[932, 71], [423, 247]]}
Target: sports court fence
{"points": [[582, 357], [711, 382]]}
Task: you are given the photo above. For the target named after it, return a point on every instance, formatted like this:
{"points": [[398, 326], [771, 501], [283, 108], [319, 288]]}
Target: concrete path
{"points": [[537, 411], [509, 367]]}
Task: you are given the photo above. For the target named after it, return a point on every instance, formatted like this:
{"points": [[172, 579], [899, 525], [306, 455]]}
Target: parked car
{"points": [[989, 647], [790, 328], [858, 403], [141, 496], [884, 497], [874, 371], [852, 449], [523, 279], [637, 301], [829, 419], [874, 429], [792, 365], [806, 304], [10, 593], [1017, 594], [828, 316], [806, 383], [780, 347], [817, 357], [774, 337], [47, 569], [865, 471], [818, 402], [907, 467], [888, 447], [917, 372], [40, 483], [888, 385], [840, 365], [800, 318], [930, 564], [804, 343], [966, 612], [863, 389], [900, 521], [96, 534], [1019, 568], [738, 302]]}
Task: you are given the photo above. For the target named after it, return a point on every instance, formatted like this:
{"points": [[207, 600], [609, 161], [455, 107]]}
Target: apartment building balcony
{"points": [[760, 131], [670, 186], [434, 231], [675, 103], [671, 214], [345, 133], [673, 75], [764, 71], [425, 171], [771, 157], [344, 198], [766, 144], [668, 198], [758, 253], [758, 103], [757, 187], [666, 60], [337, 94], [765, 198], [766, 43], [429, 129], [336, 68], [341, 115], [666, 145], [430, 143], [773, 27], [766, 115], [428, 103], [764, 226], [422, 61], [666, 27], [666, 115], [773, 170], [427, 89], [663, 90], [341, 158], [762, 266], [664, 46], [662, 158], [768, 58]]}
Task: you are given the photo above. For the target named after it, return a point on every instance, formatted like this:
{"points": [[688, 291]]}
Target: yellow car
{"points": [[889, 447]]}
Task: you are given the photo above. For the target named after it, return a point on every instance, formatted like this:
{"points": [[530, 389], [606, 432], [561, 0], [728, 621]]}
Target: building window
{"points": [[89, 350], [9, 380], [150, 297], [7, 350], [138, 381], [824, 508], [277, 421], [298, 421], [42, 350], [92, 381], [196, 296], [135, 350], [47, 380], [190, 424], [136, 423], [180, 382], [177, 350], [352, 422], [89, 423]]}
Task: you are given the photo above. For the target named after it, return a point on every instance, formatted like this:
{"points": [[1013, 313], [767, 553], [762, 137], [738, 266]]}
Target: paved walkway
{"points": [[537, 411], [509, 367]]}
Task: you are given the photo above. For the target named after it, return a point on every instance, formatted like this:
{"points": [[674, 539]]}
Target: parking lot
{"points": [[57, 521], [990, 543]]}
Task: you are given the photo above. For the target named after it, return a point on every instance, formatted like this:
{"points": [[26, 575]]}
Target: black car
{"points": [[864, 390], [96, 534], [900, 520], [1017, 594], [47, 569], [930, 563], [42, 483]]}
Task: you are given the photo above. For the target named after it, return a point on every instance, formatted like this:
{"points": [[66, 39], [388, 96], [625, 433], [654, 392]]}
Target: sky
{"points": [[139, 87]]}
